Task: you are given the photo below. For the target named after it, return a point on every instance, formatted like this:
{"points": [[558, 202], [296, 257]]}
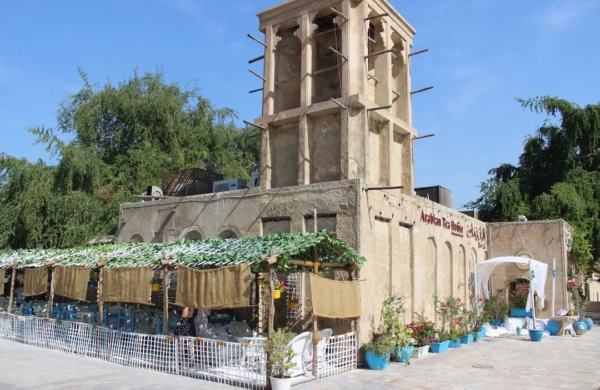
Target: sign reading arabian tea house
{"points": [[457, 228]]}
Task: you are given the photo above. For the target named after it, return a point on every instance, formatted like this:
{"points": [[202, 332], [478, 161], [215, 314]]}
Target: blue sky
{"points": [[483, 54]]}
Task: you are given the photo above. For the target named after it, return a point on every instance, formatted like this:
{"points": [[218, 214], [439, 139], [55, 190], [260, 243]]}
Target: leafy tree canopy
{"points": [[558, 176], [122, 138]]}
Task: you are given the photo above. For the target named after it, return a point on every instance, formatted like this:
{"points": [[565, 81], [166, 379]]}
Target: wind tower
{"points": [[336, 94]]}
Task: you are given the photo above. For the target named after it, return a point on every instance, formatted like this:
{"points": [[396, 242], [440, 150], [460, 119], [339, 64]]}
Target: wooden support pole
{"points": [[338, 103], [384, 188], [421, 90], [256, 59], [416, 53], [271, 302], [315, 325], [254, 125], [256, 40], [532, 277], [379, 108], [310, 264], [424, 136], [101, 263], [256, 74], [377, 16], [378, 53], [51, 293], [350, 270], [553, 301], [339, 53], [165, 287], [11, 297], [370, 76], [337, 12]]}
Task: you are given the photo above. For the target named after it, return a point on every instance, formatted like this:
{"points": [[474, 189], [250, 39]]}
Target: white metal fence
{"points": [[237, 364], [242, 365], [336, 355]]}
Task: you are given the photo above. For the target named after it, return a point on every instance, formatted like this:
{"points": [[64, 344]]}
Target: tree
{"points": [[558, 176], [123, 138]]}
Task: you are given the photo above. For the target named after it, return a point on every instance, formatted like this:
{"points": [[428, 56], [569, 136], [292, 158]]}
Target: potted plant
{"points": [[400, 335], [280, 358], [377, 353], [467, 323], [454, 335], [441, 343], [423, 332], [495, 309], [279, 288], [404, 341], [450, 312], [478, 329]]}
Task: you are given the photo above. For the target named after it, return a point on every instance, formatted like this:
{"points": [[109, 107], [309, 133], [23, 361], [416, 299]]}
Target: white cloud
{"points": [[563, 14]]}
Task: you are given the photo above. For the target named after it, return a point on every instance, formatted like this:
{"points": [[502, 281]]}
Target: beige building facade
{"points": [[545, 241], [337, 136]]}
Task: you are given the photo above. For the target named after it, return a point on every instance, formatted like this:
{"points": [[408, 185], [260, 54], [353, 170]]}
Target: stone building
{"points": [[540, 240], [337, 136]]}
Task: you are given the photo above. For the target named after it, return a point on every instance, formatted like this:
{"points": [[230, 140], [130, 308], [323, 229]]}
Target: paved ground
{"points": [[556, 363], [513, 363], [26, 367]]}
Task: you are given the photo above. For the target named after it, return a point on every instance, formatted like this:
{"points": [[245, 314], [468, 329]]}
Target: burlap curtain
{"points": [[127, 285], [35, 282], [221, 288], [2, 275], [334, 299], [70, 282]]}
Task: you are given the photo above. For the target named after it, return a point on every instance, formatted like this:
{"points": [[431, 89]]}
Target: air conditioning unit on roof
{"points": [[229, 185]]}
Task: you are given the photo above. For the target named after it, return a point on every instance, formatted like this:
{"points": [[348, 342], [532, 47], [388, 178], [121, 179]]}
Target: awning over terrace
{"points": [[194, 254], [207, 270], [537, 278]]}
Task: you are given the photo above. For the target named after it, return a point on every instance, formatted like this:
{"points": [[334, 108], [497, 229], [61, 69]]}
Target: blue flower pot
{"points": [[536, 335], [480, 335], [440, 347], [377, 362], [497, 323], [580, 327], [403, 355], [589, 322], [467, 339], [520, 313], [553, 327], [454, 343]]}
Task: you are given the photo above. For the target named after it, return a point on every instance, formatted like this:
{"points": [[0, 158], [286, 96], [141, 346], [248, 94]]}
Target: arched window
{"points": [[227, 234], [444, 272], [430, 285], [193, 235], [462, 278], [136, 238]]}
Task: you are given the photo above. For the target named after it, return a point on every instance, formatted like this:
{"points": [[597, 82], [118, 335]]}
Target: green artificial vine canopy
{"points": [[195, 254]]}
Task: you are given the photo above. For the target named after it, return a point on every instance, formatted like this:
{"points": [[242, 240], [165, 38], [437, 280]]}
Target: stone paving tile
{"points": [[555, 363]]}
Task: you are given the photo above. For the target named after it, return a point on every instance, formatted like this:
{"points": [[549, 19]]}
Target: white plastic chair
{"points": [[299, 345], [324, 334]]}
